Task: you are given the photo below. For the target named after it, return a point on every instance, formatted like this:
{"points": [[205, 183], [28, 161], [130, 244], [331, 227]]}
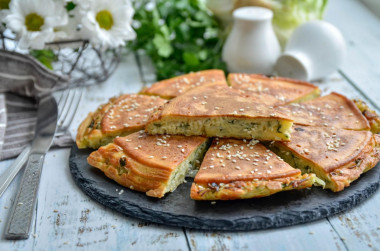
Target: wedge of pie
{"points": [[336, 156], [155, 165], [216, 110], [119, 117], [176, 86], [371, 115], [273, 90], [242, 169], [332, 110]]}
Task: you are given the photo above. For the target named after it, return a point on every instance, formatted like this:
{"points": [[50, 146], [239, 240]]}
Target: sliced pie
{"points": [[119, 117], [273, 90], [332, 110], [242, 169], [336, 156], [173, 87], [371, 115], [216, 110], [151, 164]]}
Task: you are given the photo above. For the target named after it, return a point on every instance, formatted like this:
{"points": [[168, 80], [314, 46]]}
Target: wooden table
{"points": [[67, 219]]}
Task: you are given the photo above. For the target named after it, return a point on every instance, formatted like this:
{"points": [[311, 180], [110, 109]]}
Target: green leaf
{"points": [[162, 45], [70, 6], [46, 57], [190, 59], [179, 36]]}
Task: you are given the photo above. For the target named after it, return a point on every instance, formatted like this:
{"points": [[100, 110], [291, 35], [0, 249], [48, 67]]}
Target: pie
{"points": [[273, 91], [216, 110], [333, 110], [119, 117], [151, 164], [337, 156], [173, 87], [242, 169]]}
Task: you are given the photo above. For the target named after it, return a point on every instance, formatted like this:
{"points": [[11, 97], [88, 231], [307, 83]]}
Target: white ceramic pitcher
{"points": [[252, 46]]}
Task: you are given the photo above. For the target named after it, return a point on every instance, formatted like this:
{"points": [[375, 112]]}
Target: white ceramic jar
{"points": [[315, 50], [252, 46]]}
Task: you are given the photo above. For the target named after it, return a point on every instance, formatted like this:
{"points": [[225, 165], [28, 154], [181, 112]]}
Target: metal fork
{"points": [[68, 103]]}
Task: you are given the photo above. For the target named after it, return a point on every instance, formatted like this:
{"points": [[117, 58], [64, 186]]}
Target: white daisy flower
{"points": [[107, 23], [72, 30], [34, 21]]}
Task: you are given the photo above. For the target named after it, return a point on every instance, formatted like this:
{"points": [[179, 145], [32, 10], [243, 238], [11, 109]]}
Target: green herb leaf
{"points": [[164, 49], [179, 36], [70, 6], [46, 57]]}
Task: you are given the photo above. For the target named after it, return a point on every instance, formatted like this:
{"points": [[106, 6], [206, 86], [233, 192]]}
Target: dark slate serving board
{"points": [[177, 209]]}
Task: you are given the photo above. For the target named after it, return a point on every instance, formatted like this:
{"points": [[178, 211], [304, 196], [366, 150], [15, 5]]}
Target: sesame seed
{"points": [[164, 157], [182, 150], [234, 161]]}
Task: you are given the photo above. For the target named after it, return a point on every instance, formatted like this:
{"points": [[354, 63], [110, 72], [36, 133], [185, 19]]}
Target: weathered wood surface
{"points": [[67, 219]]}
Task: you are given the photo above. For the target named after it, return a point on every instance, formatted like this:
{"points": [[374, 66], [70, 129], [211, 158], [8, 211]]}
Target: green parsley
{"points": [[179, 36]]}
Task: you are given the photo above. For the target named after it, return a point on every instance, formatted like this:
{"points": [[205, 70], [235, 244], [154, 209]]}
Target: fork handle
{"points": [[22, 211], [8, 175]]}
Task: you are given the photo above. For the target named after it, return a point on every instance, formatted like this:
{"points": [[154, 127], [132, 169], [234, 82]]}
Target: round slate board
{"points": [[177, 209]]}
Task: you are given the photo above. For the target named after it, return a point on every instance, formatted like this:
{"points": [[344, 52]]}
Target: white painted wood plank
{"points": [[313, 236], [361, 29], [359, 228]]}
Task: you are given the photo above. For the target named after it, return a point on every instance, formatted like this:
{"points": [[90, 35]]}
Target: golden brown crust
{"points": [[173, 87], [249, 189], [120, 116], [137, 168], [371, 115], [230, 160], [365, 161], [329, 148], [238, 169], [340, 155], [159, 151], [215, 100], [333, 110], [273, 90], [129, 111]]}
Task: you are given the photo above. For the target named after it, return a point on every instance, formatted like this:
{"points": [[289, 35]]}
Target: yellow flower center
{"points": [[104, 19], [33, 22], [4, 4]]}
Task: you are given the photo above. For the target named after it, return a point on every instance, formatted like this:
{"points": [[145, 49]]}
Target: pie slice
{"points": [[332, 110], [173, 87], [336, 156], [241, 169], [273, 90], [155, 165], [371, 115], [216, 110], [119, 117]]}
